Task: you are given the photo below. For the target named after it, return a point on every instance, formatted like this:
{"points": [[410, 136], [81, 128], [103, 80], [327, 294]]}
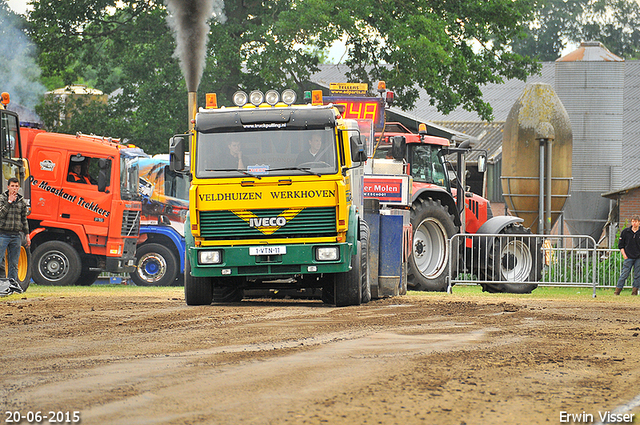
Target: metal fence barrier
{"points": [[521, 261]]}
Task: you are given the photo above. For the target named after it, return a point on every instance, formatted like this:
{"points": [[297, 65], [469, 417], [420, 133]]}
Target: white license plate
{"points": [[267, 250]]}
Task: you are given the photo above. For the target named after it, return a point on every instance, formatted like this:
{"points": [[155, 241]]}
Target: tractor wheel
{"points": [[24, 267], [513, 259], [156, 265], [197, 290], [56, 263], [227, 290], [432, 225]]}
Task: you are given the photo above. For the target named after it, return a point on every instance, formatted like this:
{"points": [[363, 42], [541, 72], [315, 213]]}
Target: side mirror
{"points": [[358, 148], [482, 163], [398, 147], [104, 174], [177, 148]]}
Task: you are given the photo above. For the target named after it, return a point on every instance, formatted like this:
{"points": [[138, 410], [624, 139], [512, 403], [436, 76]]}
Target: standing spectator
{"points": [[13, 220], [629, 245]]}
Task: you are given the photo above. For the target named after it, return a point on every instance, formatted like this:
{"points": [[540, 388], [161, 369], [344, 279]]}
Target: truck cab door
{"points": [[92, 206]]}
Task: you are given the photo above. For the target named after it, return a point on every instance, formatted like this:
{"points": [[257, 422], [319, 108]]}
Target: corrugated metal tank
{"points": [[590, 82], [537, 107]]}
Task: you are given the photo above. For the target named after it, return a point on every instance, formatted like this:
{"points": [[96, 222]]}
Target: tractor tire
{"points": [[364, 259], [197, 290], [56, 263], [433, 226], [24, 268], [156, 265], [515, 260], [227, 291]]}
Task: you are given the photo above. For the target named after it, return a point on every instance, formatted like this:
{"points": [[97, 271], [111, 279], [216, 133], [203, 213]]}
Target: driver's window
{"points": [[82, 170]]}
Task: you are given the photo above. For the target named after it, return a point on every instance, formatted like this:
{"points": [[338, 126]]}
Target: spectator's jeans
{"points": [[11, 243], [626, 270]]}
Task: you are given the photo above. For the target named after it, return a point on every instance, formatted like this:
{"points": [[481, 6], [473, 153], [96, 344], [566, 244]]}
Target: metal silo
{"points": [[589, 82]]}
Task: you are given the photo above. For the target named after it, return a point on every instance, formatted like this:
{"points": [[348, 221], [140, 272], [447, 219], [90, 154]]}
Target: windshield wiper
{"points": [[234, 169], [305, 169]]}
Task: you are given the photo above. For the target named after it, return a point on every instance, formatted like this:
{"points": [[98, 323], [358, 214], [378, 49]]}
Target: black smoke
{"points": [[189, 20]]}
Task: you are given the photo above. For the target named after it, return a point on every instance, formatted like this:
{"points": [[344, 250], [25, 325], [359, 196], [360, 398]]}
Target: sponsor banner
{"points": [[387, 189]]}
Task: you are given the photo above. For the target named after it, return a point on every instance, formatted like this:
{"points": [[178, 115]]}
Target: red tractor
{"points": [[436, 217]]}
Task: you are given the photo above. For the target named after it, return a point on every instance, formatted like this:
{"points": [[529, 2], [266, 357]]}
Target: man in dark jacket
{"points": [[629, 245], [13, 220]]}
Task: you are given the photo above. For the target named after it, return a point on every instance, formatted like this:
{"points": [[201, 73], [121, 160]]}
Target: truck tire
{"points": [[518, 260], [227, 291], [56, 263], [433, 226], [348, 285], [24, 268], [156, 265], [87, 277], [197, 290], [364, 259]]}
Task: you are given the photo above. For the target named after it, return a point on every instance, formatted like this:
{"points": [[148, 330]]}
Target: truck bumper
{"points": [[125, 263], [298, 260]]}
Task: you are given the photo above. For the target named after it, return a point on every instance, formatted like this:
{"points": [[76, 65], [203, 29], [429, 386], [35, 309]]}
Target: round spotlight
{"points": [[272, 97], [240, 98], [289, 97], [256, 97]]}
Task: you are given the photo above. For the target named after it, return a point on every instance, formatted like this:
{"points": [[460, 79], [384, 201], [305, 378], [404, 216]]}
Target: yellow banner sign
{"points": [[349, 88]]}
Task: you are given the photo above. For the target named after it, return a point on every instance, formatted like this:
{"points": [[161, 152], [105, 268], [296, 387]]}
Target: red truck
{"points": [[81, 227]]}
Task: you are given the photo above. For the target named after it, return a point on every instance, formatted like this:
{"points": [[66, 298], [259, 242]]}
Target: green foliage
{"points": [[557, 23], [126, 48]]}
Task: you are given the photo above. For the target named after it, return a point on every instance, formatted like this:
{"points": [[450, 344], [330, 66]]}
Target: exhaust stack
{"points": [[193, 107]]}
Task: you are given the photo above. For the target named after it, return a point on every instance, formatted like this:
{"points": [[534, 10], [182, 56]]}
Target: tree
{"points": [[558, 23], [448, 48]]}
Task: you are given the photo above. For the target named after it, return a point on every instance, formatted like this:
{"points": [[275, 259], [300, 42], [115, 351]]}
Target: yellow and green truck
{"points": [[276, 200]]}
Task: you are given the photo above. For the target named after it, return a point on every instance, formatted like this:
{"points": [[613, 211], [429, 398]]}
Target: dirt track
{"points": [[147, 358]]}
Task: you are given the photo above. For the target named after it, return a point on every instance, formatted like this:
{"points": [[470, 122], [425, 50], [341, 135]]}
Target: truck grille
{"points": [[130, 223], [308, 223]]}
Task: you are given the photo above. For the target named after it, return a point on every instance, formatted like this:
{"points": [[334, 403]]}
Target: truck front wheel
{"points": [[347, 286], [197, 290], [56, 263], [156, 266], [432, 225]]}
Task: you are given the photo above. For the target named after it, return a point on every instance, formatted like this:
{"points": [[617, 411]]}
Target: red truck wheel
{"points": [[56, 263], [432, 225]]}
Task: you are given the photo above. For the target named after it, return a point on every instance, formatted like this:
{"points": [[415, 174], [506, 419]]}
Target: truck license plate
{"points": [[267, 250]]}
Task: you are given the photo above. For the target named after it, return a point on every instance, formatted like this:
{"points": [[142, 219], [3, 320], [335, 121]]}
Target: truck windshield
{"points": [[426, 164], [129, 175], [266, 153]]}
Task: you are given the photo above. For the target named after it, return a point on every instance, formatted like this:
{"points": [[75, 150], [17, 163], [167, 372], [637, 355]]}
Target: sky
{"points": [[18, 6]]}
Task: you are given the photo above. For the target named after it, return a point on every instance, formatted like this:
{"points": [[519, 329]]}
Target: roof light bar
{"points": [[240, 98]]}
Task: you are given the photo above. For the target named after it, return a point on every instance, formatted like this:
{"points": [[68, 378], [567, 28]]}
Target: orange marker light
{"points": [[316, 97], [422, 128], [382, 86], [5, 98], [211, 101]]}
